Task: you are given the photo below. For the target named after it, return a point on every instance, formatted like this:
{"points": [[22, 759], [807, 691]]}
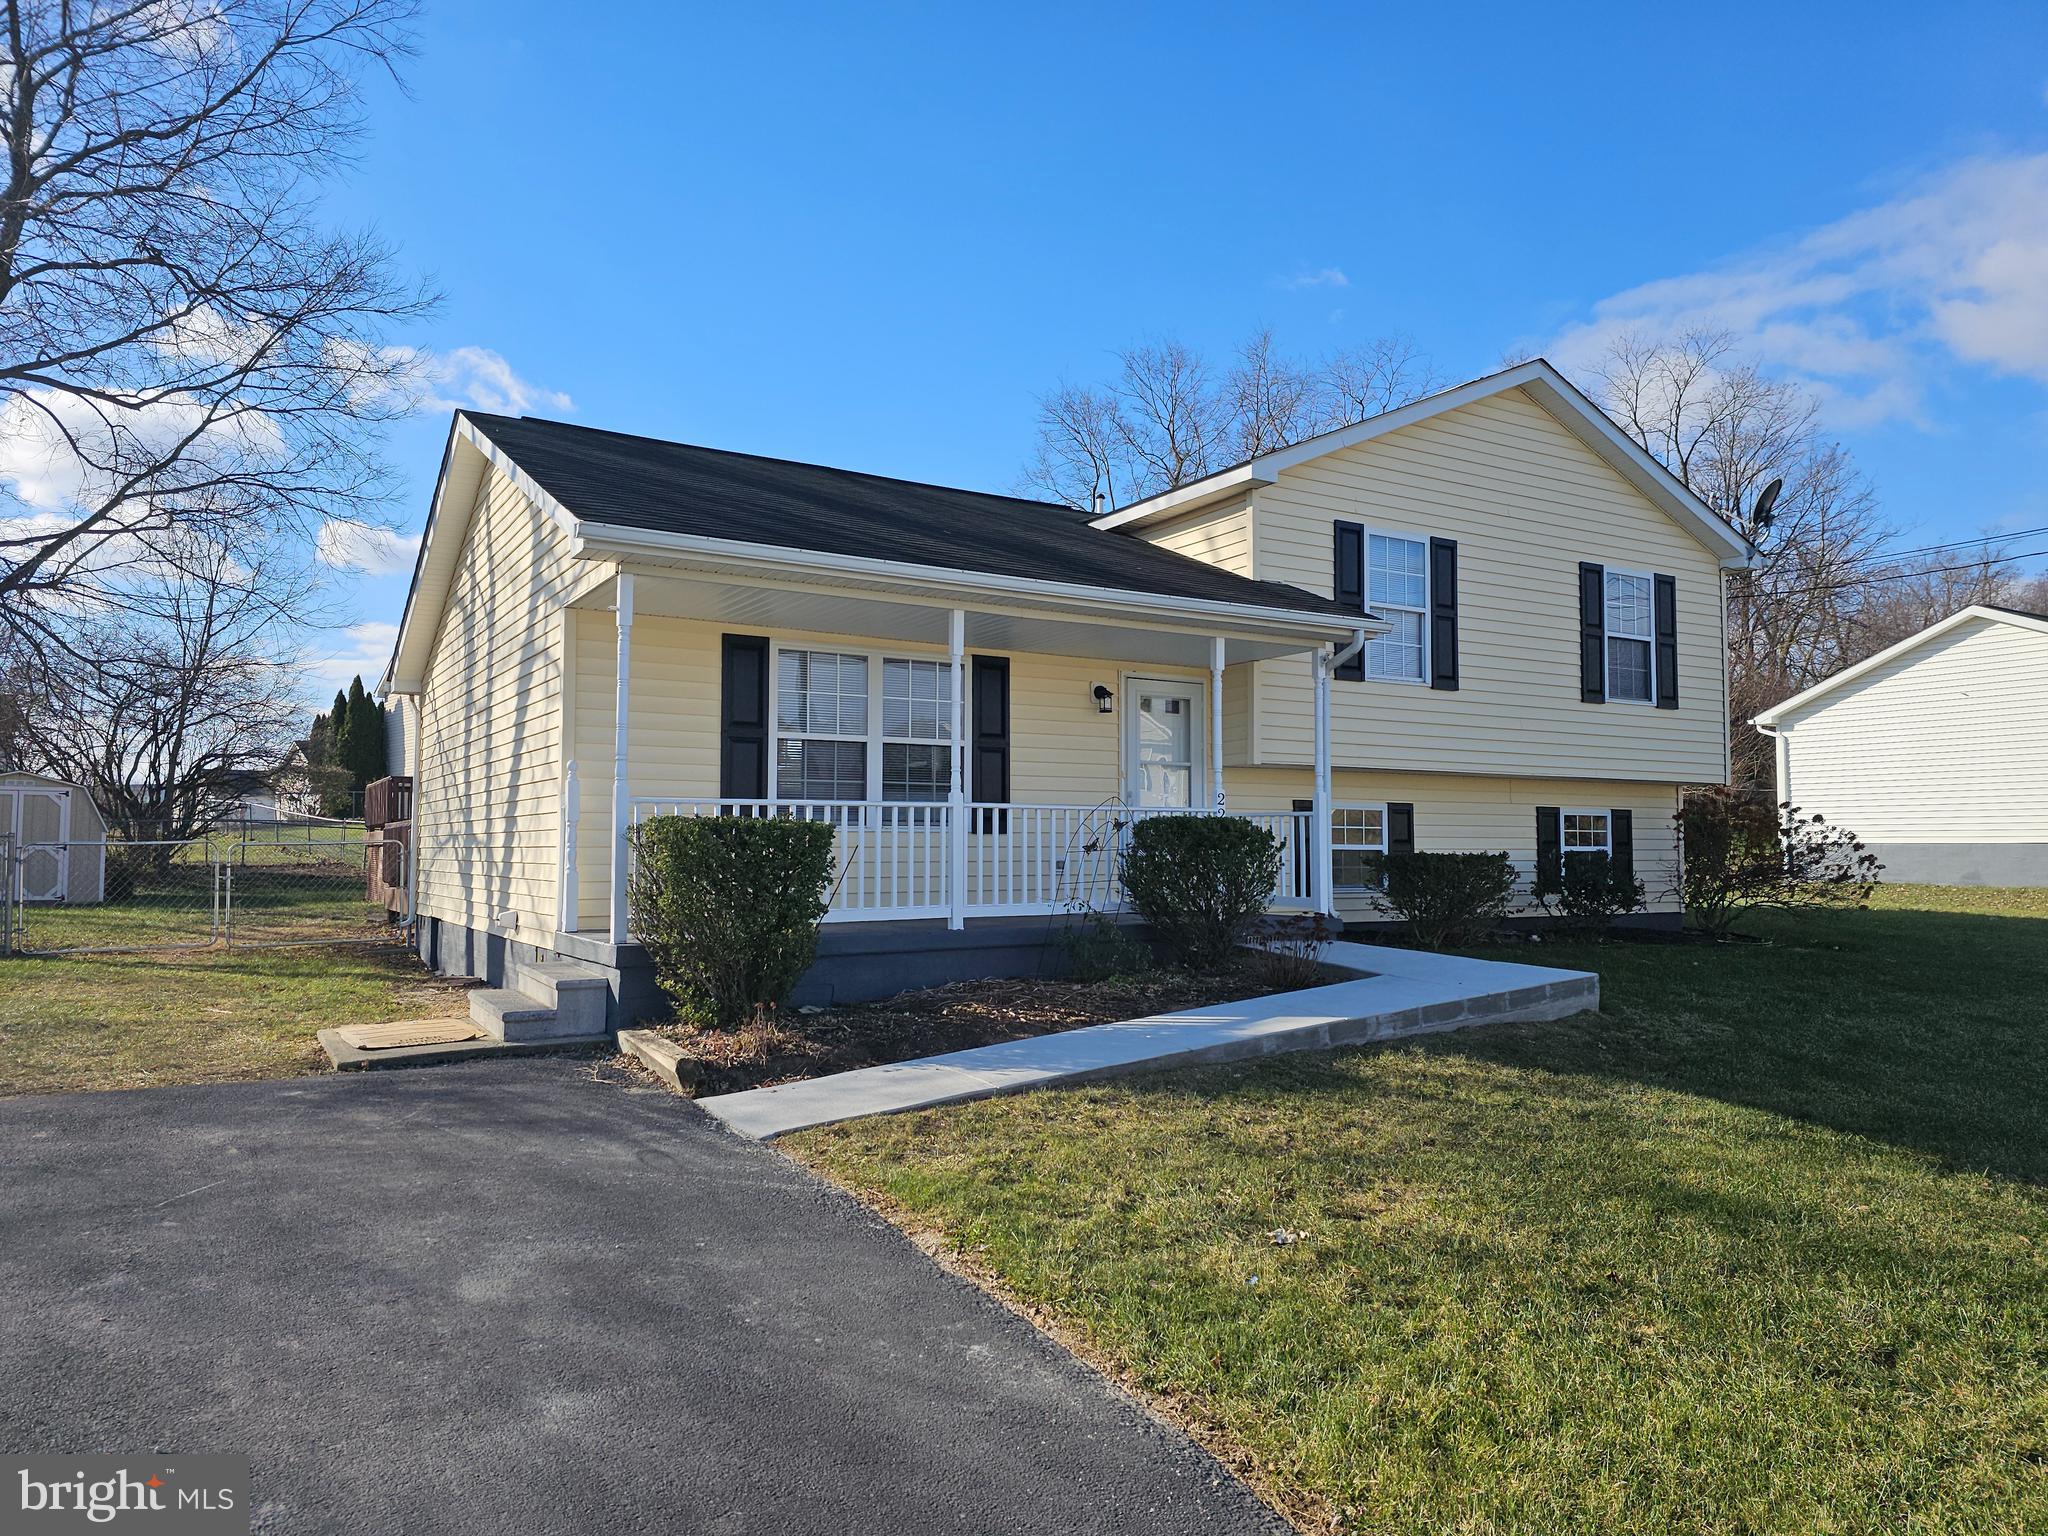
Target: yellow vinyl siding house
{"points": [[1933, 752], [981, 693], [1486, 506]]}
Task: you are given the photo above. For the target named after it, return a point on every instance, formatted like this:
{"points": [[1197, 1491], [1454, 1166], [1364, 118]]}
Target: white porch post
{"points": [[956, 814], [1216, 723], [622, 790], [572, 813], [1320, 832]]}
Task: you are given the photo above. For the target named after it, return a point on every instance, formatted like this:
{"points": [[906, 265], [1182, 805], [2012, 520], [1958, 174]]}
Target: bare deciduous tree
{"points": [[165, 710], [185, 352], [1169, 418], [1823, 593]]}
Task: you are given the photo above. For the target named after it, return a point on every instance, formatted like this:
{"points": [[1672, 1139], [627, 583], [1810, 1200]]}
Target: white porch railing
{"points": [[894, 858]]}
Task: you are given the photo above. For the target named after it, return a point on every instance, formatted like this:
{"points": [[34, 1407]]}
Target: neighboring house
{"points": [[1485, 621], [53, 839], [1933, 752]]}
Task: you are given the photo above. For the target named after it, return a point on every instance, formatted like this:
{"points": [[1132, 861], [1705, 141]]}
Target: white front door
{"points": [[1163, 763]]}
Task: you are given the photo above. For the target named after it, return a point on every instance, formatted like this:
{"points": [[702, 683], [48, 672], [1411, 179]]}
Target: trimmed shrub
{"points": [[1201, 882], [728, 909], [1740, 853], [1593, 891], [1448, 898]]}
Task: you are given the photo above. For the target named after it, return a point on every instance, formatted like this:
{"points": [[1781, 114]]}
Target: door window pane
{"points": [[1164, 751]]}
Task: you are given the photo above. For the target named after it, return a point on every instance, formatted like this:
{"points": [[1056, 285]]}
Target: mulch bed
{"points": [[939, 1019]]}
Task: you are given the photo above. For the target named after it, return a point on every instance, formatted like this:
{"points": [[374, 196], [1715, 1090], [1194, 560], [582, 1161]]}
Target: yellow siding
{"points": [[488, 777], [1063, 751], [1220, 536], [1459, 813], [1526, 502], [1946, 743]]}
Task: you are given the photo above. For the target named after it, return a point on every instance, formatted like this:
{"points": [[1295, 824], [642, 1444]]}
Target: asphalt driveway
{"points": [[504, 1296]]}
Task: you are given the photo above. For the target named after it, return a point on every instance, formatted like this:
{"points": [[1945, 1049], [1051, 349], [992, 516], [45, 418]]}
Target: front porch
{"points": [[685, 686]]}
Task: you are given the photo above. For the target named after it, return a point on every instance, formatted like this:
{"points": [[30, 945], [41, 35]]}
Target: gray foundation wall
{"points": [[1964, 863], [857, 962]]}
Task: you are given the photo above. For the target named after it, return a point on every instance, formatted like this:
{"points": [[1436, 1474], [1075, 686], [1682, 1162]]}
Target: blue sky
{"points": [[871, 236]]}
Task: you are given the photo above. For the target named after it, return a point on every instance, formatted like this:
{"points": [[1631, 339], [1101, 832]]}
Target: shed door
{"points": [[43, 816]]}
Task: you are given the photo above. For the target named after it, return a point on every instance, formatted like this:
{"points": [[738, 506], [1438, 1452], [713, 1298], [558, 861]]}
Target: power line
{"points": [[1989, 538], [1862, 581]]}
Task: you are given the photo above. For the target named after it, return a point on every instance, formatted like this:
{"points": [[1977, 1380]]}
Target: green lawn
{"points": [[1763, 1246], [143, 1020]]}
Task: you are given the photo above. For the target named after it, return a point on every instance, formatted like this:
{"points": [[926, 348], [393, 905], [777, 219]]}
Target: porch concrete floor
{"points": [[1406, 992]]}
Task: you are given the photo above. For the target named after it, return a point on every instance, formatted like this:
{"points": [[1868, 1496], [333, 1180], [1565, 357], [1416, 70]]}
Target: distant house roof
{"points": [[2018, 617], [650, 484]]}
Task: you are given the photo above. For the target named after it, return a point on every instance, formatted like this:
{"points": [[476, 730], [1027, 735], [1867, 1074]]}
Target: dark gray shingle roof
{"points": [[644, 482]]}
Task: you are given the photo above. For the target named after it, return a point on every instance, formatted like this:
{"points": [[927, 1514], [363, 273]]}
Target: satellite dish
{"points": [[1760, 514]]}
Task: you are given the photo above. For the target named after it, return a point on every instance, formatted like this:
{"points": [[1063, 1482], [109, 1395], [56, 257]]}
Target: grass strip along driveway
{"points": [[1761, 1247], [143, 1020]]}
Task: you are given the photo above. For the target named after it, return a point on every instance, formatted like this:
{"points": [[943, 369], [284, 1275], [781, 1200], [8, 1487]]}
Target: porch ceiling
{"points": [[1048, 629]]}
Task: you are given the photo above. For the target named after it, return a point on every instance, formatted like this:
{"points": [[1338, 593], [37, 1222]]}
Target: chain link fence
{"points": [[236, 886]]}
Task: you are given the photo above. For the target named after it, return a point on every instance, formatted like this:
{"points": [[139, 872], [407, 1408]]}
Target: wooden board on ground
{"points": [[384, 1037]]}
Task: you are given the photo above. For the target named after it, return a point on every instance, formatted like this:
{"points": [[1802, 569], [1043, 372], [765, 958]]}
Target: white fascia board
{"points": [[447, 526], [613, 541], [1190, 497], [1775, 715], [1586, 421]]}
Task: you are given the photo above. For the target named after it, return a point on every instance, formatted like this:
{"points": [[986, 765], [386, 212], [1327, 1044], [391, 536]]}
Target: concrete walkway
{"points": [[1408, 992]]}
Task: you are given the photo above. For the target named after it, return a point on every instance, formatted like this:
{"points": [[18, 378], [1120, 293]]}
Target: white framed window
{"points": [[831, 745], [1397, 589], [1586, 832], [821, 725], [917, 724], [1631, 637], [1357, 833]]}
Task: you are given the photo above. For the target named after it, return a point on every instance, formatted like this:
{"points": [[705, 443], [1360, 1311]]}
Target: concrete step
{"points": [[513, 1016], [578, 991]]}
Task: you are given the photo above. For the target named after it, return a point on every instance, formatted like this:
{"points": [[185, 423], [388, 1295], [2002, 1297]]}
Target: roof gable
{"points": [[1976, 613], [1536, 379]]}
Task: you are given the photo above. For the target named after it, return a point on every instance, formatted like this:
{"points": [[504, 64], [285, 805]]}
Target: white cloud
{"points": [[62, 453], [1322, 277], [366, 649], [476, 378], [460, 379], [359, 547], [1953, 272]]}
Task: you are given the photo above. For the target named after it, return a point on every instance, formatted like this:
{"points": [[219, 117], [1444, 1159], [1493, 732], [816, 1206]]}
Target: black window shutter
{"points": [[1549, 848], [989, 780], [1347, 584], [1666, 610], [1621, 837], [1401, 828], [743, 719], [1592, 633], [1443, 614]]}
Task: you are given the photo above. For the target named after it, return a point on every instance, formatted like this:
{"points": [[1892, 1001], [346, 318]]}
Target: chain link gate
{"points": [[326, 886]]}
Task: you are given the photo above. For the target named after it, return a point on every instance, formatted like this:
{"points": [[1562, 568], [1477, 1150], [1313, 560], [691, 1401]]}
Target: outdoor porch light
{"points": [[1105, 701]]}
